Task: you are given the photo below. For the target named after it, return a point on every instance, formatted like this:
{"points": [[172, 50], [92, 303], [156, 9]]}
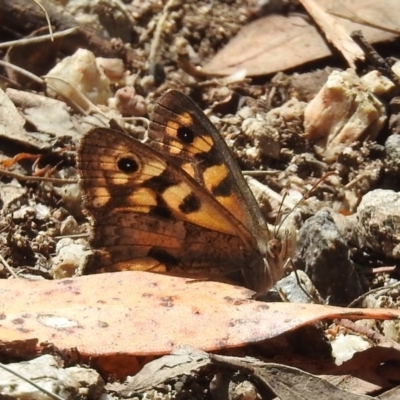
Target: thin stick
{"points": [[260, 173], [46, 16], [22, 71], [37, 39]]}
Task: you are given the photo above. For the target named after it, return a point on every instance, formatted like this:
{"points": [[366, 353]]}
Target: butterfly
{"points": [[178, 204]]}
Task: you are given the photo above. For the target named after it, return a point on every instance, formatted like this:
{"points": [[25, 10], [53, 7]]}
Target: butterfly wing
{"points": [[181, 130], [144, 206]]}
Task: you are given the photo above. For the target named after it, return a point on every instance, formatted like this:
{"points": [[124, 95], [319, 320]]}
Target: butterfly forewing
{"points": [[180, 129]]}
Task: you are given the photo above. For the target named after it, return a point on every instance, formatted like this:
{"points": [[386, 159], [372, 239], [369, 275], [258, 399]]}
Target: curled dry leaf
{"points": [[150, 314]]}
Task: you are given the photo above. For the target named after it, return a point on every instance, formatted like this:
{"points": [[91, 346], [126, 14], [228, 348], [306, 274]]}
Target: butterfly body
{"points": [[180, 201]]}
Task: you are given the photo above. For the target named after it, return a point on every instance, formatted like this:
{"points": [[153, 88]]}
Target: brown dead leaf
{"points": [[270, 44], [276, 43]]}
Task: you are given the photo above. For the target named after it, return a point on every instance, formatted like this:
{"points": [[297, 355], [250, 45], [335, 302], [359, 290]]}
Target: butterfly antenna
{"points": [[305, 197], [276, 224]]}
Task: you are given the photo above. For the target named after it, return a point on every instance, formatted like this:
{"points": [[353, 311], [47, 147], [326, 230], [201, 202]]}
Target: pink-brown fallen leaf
{"points": [[269, 44], [141, 314], [276, 43]]}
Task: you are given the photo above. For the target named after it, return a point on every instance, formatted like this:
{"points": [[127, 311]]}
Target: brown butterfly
{"points": [[179, 204]]}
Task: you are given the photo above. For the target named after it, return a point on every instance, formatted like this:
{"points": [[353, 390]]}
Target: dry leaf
{"points": [[276, 43], [127, 314], [286, 382], [12, 125], [270, 44]]}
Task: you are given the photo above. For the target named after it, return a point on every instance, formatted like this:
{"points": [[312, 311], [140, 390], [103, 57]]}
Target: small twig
{"points": [[22, 71], [7, 266], [334, 32], [353, 182], [145, 35], [379, 270], [21, 177], [122, 7], [46, 16], [260, 173], [370, 52], [135, 119], [37, 39]]}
